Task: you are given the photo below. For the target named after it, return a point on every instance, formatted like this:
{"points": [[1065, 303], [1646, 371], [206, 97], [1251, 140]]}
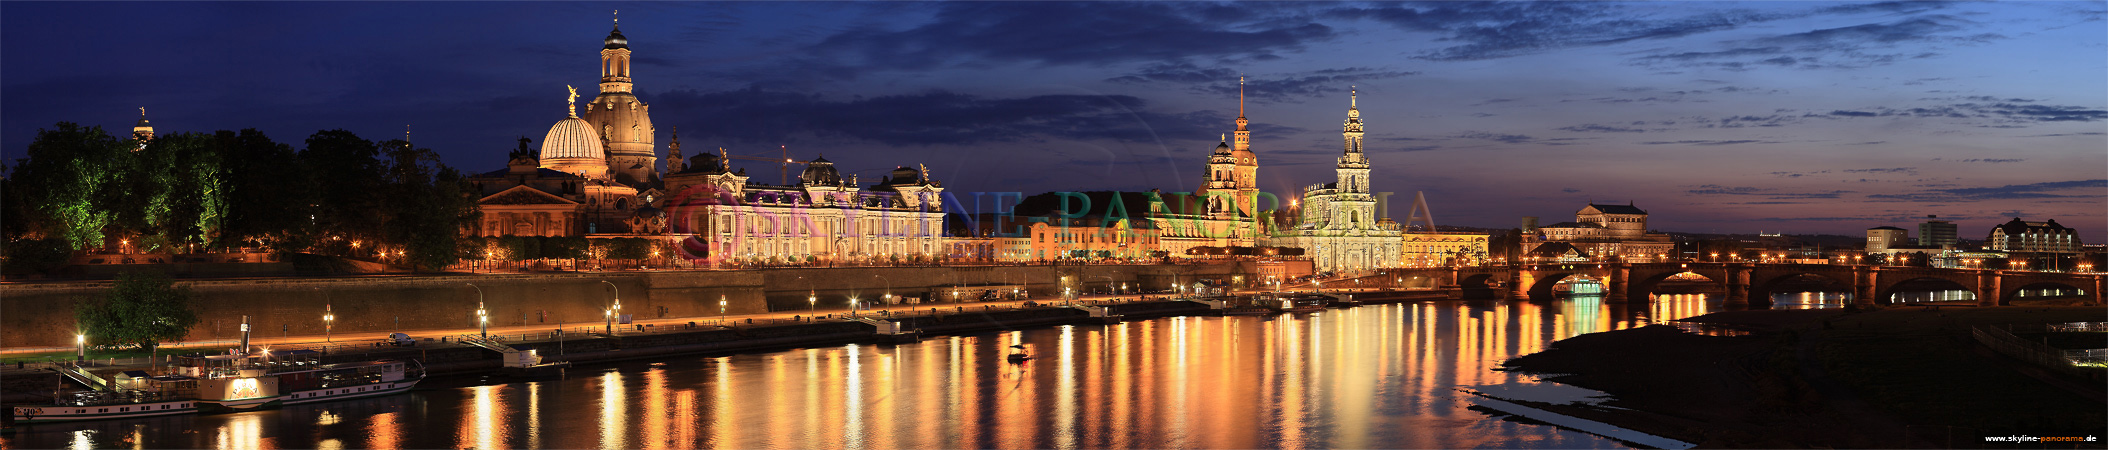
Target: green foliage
{"points": [[628, 248], [36, 255], [564, 247], [140, 310], [69, 169], [519, 248]]}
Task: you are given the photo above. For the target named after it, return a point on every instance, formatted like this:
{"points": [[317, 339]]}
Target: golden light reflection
{"points": [[614, 420], [485, 424], [242, 431], [384, 430]]}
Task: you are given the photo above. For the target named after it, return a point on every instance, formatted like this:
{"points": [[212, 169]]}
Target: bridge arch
{"points": [[1886, 292], [1763, 283], [1642, 284], [2011, 291], [1541, 285]]}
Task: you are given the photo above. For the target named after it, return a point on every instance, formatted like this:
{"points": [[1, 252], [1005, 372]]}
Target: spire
{"points": [[406, 134], [1353, 97]]}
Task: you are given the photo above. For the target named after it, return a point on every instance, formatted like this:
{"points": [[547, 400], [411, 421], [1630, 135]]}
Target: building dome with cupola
{"points": [[623, 121], [573, 146], [820, 172]]}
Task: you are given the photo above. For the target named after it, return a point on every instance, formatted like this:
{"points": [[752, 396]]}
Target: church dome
{"points": [[821, 172], [615, 39], [572, 138]]}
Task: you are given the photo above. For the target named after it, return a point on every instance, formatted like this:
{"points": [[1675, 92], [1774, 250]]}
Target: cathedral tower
{"points": [[1247, 169], [1353, 207], [622, 121], [143, 131]]}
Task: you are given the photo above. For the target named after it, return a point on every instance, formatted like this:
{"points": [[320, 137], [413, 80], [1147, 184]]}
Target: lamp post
{"points": [[614, 309], [889, 286], [329, 321], [812, 301], [852, 306], [720, 310], [482, 315], [80, 347]]}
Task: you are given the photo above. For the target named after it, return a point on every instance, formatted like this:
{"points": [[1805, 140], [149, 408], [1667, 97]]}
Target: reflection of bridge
{"points": [[1745, 281]]}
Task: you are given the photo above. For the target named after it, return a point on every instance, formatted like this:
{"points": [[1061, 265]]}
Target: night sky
{"points": [[1800, 117]]}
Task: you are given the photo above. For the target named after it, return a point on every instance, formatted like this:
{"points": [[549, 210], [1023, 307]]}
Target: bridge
{"points": [[1742, 281]]}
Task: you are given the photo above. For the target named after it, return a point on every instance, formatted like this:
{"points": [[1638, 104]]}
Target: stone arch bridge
{"points": [[1743, 281]]}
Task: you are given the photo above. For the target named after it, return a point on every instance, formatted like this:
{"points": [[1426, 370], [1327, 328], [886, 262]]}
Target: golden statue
{"points": [[574, 95]]}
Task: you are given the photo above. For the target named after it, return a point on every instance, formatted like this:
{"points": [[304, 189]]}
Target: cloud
{"points": [[1570, 190], [1990, 160], [2088, 189], [1294, 86], [928, 118], [1176, 72], [1068, 33], [1708, 142], [1595, 128], [1902, 170], [2007, 113], [1491, 30], [1497, 137], [1856, 46], [1771, 193]]}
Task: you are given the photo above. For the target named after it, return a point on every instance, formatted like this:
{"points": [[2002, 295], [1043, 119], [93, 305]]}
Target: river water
{"points": [[1369, 377]]}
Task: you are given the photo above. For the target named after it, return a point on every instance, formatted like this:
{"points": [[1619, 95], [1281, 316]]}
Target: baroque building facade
{"points": [[820, 217], [1339, 228], [1224, 211], [1604, 232]]}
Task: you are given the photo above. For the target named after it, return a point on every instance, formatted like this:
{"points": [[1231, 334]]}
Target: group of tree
{"points": [[82, 188], [524, 248], [140, 311]]}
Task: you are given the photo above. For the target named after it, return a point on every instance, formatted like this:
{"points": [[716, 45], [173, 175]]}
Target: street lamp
{"points": [[852, 306], [720, 309], [812, 301], [329, 321], [80, 344], [482, 315], [615, 309]]}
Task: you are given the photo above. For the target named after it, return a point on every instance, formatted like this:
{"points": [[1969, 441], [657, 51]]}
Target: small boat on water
{"points": [[223, 383], [1020, 355]]}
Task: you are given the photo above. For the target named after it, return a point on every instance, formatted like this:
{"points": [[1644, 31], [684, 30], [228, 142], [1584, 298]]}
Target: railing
{"points": [[2003, 341], [2077, 326]]}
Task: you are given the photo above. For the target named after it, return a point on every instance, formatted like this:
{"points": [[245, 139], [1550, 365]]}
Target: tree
{"points": [[68, 173], [140, 311]]}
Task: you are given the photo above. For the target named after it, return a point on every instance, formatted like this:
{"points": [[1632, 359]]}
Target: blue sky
{"points": [[1802, 117]]}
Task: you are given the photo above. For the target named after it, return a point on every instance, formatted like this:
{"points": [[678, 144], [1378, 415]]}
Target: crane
{"points": [[786, 160]]}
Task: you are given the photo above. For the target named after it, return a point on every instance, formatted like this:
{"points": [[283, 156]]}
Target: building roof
{"points": [[2017, 226], [1886, 228], [572, 138], [1573, 225], [1555, 249], [1617, 209]]}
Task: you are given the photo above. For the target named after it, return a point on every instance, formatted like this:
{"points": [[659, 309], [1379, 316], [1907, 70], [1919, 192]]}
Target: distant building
{"points": [[1340, 229], [1880, 239], [1935, 233], [2017, 236], [1606, 231], [1438, 249]]}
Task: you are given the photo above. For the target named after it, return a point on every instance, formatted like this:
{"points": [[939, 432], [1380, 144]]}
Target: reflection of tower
{"points": [[142, 131], [1247, 164], [623, 121]]}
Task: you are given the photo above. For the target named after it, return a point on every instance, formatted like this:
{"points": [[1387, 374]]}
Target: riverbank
{"points": [[1900, 377]]}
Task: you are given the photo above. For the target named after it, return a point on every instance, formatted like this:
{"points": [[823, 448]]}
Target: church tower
{"points": [[1247, 164], [623, 121], [1222, 181], [1353, 207], [142, 131], [673, 152]]}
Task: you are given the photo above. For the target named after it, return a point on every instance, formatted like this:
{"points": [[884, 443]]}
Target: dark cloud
{"points": [[2079, 189], [1998, 112], [2086, 133], [1570, 190], [1291, 87], [1596, 128], [1798, 174], [1497, 137], [1855, 46], [934, 117], [1176, 72], [1491, 30], [1991, 160], [1708, 142], [1069, 33], [1771, 193], [1902, 170]]}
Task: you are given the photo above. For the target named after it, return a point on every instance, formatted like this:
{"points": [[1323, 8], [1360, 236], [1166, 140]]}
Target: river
{"points": [[1374, 376]]}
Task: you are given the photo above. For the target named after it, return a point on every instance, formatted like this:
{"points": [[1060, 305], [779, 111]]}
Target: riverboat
{"points": [[223, 383], [1297, 303]]}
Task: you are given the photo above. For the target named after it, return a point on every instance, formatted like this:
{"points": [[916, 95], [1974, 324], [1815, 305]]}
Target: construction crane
{"points": [[785, 160]]}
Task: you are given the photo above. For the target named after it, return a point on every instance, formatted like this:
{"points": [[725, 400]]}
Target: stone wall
{"points": [[41, 314]]}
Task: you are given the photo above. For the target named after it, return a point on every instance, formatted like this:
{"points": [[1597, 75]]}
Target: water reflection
{"points": [[1373, 376]]}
